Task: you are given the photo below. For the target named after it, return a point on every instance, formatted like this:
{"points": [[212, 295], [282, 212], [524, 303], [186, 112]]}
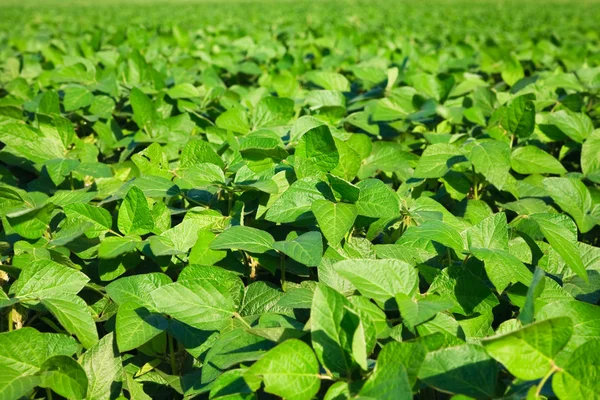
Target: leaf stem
{"points": [[475, 188], [242, 320], [48, 394], [95, 289], [544, 379], [172, 355], [180, 259], [52, 325], [115, 233], [325, 377]]}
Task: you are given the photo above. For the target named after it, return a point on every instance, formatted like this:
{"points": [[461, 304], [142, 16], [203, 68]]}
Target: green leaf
{"points": [[144, 113], [576, 126], [13, 199], [349, 163], [184, 91], [73, 314], [578, 380], [436, 231], [532, 160], [76, 97], [114, 246], [69, 231], [235, 120], [32, 224], [202, 253], [261, 297], [273, 111], [389, 381], [34, 145], [24, 352], [100, 218], [136, 325], [332, 330], [418, 310], [5, 301], [316, 153], [64, 376], [231, 383], [380, 280], [290, 370], [437, 159], [590, 156], [59, 168], [134, 214], [244, 238], [299, 297], [502, 268], [561, 240], [490, 233], [102, 365], [585, 317], [492, 159], [205, 307], [233, 347], [137, 288], [177, 240], [43, 279], [512, 70], [469, 293], [529, 353], [329, 80], [335, 219], [464, 369], [574, 198], [344, 190], [432, 86], [409, 354], [535, 289], [295, 203], [377, 200], [518, 117], [307, 248], [197, 152]]}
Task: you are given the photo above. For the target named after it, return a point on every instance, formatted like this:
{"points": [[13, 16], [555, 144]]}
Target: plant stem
{"points": [[10, 320], [242, 320], [48, 394], [282, 267], [229, 202], [245, 258], [475, 188], [466, 259], [172, 355]]}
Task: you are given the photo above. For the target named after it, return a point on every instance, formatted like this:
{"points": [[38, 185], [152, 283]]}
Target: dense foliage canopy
{"points": [[340, 199]]}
